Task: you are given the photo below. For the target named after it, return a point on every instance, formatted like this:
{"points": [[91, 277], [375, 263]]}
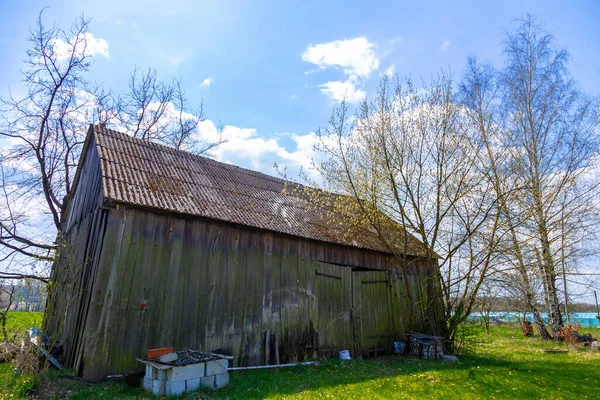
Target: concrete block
{"points": [[221, 380], [161, 375], [147, 384], [223, 363], [595, 346], [158, 387], [192, 384], [151, 372], [167, 358], [449, 357], [186, 372], [216, 367], [175, 388], [208, 381]]}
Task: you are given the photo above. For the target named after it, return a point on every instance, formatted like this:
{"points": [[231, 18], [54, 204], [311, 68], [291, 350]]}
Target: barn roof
{"points": [[142, 173]]}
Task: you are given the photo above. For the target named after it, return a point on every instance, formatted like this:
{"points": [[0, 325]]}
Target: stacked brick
{"points": [[176, 380]]}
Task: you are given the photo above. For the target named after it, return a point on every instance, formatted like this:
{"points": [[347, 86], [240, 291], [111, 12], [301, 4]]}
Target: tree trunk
{"points": [[4, 332], [548, 271], [504, 209], [526, 283]]}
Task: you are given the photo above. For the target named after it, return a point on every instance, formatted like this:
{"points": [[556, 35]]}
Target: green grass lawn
{"points": [[19, 322], [505, 365]]}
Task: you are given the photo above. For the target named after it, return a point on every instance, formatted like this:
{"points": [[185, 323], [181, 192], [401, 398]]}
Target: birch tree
{"points": [[552, 133], [479, 92], [540, 133]]}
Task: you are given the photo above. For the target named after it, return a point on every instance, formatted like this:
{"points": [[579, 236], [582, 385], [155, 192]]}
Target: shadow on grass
{"points": [[506, 366], [552, 376]]}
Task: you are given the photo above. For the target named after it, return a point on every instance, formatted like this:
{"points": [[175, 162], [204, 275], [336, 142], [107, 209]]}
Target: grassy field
{"points": [[19, 322], [505, 365]]}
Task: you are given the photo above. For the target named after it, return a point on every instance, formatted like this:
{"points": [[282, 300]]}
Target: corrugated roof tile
{"points": [[141, 173]]}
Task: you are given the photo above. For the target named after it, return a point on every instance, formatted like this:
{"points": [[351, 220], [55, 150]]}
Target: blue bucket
{"points": [[399, 347]]}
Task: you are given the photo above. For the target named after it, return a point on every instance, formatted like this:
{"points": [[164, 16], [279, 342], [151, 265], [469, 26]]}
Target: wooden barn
{"points": [[165, 248]]}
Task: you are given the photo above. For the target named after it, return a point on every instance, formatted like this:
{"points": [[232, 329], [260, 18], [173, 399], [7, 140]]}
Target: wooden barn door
{"points": [[372, 312], [334, 303]]}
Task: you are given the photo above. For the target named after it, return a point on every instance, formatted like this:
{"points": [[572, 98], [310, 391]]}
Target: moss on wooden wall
{"points": [[163, 280]]}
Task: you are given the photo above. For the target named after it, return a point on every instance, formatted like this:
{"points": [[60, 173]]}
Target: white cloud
{"points": [[174, 60], [206, 82], [29, 207], [356, 56], [245, 147], [347, 90], [88, 46], [294, 96], [390, 71], [445, 45]]}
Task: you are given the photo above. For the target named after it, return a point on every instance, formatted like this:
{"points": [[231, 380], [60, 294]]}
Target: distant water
{"points": [[585, 319]]}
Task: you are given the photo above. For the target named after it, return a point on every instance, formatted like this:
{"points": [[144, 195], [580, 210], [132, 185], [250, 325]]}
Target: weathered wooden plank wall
{"points": [[162, 280], [132, 279], [88, 194], [74, 272]]}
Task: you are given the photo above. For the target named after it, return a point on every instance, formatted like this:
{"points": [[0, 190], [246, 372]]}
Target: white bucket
{"points": [[345, 355]]}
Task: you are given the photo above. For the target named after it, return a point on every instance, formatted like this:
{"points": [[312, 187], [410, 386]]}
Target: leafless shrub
{"points": [[527, 328], [27, 359], [570, 333], [8, 351]]}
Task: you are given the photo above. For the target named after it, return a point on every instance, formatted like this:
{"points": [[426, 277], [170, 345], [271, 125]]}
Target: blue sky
{"points": [[273, 71], [264, 78]]}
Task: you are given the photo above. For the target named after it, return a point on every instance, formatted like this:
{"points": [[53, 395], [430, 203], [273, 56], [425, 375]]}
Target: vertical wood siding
{"points": [[88, 195], [163, 280], [75, 270]]}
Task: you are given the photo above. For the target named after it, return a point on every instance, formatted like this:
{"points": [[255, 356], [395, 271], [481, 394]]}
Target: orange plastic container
{"points": [[155, 353]]}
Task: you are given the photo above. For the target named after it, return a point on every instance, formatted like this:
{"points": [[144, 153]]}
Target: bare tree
{"points": [[160, 112], [43, 131], [486, 300], [46, 135], [7, 294], [540, 132], [479, 91], [410, 157], [551, 127]]}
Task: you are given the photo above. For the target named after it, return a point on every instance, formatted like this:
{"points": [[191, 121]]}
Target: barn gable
{"points": [[164, 248]]}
